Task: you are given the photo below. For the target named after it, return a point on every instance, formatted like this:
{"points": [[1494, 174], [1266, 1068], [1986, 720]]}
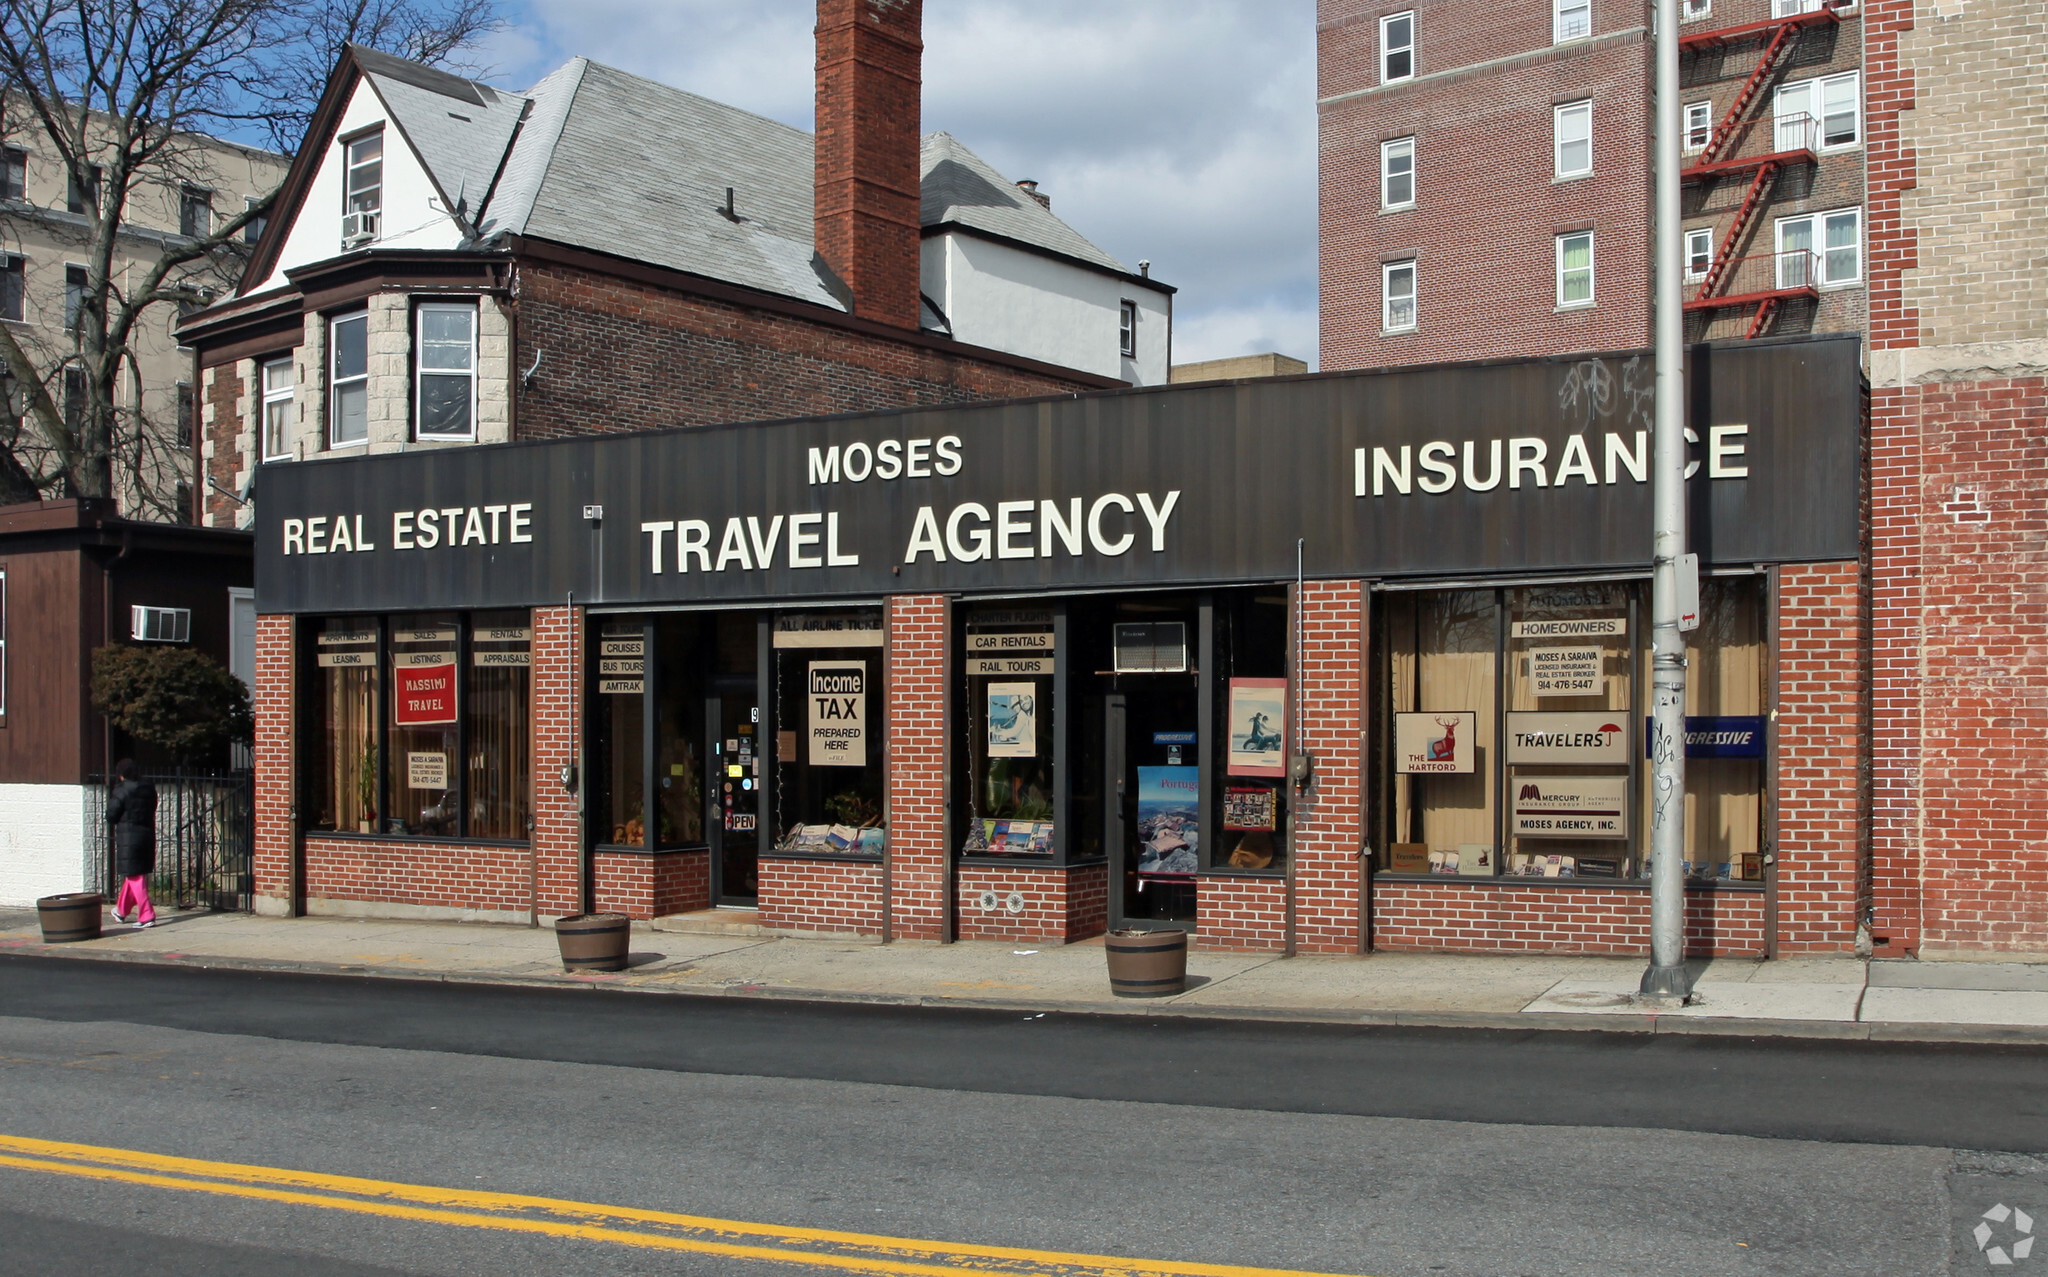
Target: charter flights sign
{"points": [[1532, 465]]}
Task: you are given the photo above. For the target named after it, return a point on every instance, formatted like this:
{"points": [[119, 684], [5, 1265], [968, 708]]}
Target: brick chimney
{"points": [[870, 77]]}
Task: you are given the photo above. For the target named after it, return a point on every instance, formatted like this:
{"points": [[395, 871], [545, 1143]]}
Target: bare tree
{"points": [[121, 93]]}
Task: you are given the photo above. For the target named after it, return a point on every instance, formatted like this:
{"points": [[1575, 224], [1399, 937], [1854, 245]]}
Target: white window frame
{"points": [[1816, 238], [336, 383], [1558, 141], [1793, 8], [1699, 122], [1814, 93], [277, 399], [1127, 328], [1698, 235], [1558, 10], [1397, 148], [370, 197], [1387, 50], [1694, 10], [1387, 273], [421, 371], [1590, 298]]}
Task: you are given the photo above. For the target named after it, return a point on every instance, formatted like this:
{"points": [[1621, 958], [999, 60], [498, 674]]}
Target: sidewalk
{"points": [[720, 954]]}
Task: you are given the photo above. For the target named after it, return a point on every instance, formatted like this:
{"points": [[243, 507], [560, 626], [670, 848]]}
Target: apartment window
{"points": [[1575, 269], [74, 296], [1127, 329], [1573, 133], [348, 413], [1821, 249], [1694, 10], [363, 198], [446, 393], [1825, 113], [74, 405], [84, 198], [1397, 296], [1699, 252], [13, 173], [195, 212], [13, 288], [1397, 173], [277, 410], [1793, 8], [1397, 47], [1699, 125], [1570, 20], [252, 230]]}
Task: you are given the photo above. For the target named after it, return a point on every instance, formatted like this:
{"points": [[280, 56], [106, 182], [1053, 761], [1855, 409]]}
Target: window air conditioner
{"points": [[358, 227], [161, 624]]}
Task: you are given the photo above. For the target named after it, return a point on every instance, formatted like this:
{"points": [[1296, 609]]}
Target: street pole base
{"points": [[1666, 986]]}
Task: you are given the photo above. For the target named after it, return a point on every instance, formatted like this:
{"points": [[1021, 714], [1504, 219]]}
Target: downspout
{"points": [[585, 900], [1297, 765]]}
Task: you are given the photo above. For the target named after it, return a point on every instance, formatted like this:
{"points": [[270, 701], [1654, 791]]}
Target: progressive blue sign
{"points": [[1729, 736]]}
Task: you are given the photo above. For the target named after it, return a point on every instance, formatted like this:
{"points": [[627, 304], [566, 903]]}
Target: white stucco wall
{"points": [[1044, 308], [412, 214], [42, 841]]}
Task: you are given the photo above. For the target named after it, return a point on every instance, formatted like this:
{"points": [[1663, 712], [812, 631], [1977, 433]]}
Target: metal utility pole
{"points": [[1666, 977]]}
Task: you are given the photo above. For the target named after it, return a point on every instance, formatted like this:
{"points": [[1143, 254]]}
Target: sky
{"points": [[1177, 131]]}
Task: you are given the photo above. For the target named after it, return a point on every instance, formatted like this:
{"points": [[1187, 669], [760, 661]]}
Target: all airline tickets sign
{"points": [[1532, 465]]}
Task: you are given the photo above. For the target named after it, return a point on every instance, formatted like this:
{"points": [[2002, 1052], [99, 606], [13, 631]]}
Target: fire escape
{"points": [[1764, 281]]}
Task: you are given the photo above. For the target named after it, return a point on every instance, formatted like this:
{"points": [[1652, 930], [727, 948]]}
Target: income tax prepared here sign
{"points": [[1571, 806]]}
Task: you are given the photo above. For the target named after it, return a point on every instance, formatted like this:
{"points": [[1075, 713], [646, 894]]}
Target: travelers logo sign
{"points": [[1597, 737], [1436, 741]]}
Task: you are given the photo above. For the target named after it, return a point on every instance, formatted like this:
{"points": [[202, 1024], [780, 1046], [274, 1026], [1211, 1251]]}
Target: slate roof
{"points": [[959, 186], [598, 158]]}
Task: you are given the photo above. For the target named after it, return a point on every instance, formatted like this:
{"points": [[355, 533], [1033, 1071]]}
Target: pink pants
{"points": [[134, 900]]}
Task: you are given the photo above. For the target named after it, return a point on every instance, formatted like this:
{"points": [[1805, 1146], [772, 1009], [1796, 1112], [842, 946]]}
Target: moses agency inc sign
{"points": [[1536, 464]]}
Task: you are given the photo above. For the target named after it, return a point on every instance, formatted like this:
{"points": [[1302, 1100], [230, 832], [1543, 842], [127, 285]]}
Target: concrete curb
{"points": [[1510, 1021]]}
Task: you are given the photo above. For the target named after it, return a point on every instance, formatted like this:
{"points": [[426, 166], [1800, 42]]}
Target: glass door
{"points": [[733, 723]]}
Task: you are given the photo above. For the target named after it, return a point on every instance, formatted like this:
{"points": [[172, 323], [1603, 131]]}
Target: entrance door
{"points": [[732, 723], [1153, 791]]}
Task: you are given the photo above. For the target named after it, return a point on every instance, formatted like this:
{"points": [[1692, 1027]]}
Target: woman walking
{"points": [[131, 808]]}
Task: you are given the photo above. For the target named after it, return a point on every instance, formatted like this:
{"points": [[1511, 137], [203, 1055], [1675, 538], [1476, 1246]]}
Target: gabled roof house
{"points": [[451, 264]]}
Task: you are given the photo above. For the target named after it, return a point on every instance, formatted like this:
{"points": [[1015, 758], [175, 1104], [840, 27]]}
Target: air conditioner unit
{"points": [[1158, 647], [360, 226], [160, 624]]}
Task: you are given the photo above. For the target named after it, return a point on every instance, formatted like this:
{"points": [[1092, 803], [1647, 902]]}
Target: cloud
{"points": [[1178, 132]]}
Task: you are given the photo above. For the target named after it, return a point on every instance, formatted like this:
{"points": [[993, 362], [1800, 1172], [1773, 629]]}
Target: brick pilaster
{"points": [[1328, 820], [276, 775], [1821, 731], [557, 726], [920, 858]]}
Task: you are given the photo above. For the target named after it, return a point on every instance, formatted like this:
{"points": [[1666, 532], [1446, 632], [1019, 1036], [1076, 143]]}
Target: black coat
{"points": [[131, 808]]}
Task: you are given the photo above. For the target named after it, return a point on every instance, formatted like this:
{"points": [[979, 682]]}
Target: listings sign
{"points": [[1567, 671], [839, 714], [1571, 806], [1436, 741], [425, 693], [1599, 737]]}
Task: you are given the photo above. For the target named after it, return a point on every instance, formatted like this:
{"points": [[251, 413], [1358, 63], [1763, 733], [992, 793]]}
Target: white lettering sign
{"points": [[1591, 627]]}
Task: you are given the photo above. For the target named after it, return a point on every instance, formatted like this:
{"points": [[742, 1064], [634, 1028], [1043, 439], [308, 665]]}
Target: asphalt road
{"points": [[1385, 1152]]}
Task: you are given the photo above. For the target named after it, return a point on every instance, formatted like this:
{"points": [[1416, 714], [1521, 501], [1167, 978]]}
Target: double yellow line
{"points": [[586, 1221]]}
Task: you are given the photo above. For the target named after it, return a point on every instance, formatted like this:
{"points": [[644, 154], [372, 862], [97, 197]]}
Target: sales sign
{"points": [[425, 693], [1596, 737], [1571, 806], [839, 714]]}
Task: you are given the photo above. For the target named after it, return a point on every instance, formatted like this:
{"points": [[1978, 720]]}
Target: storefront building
{"points": [[1308, 664]]}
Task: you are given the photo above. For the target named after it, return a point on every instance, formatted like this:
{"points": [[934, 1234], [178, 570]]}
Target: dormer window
{"points": [[363, 200]]}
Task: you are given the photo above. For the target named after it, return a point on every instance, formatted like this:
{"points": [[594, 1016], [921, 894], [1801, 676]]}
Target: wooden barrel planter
{"points": [[594, 941], [75, 916], [1147, 964]]}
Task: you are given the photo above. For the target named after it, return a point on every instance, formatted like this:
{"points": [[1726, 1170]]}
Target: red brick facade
{"points": [[821, 896], [1483, 918], [1823, 723], [870, 84], [1033, 905], [275, 752], [919, 852], [652, 885]]}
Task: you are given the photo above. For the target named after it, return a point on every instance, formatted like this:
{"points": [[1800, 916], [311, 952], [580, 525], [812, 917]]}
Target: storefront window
{"points": [[830, 706], [341, 704], [1011, 719], [616, 741], [1248, 749], [1537, 694], [497, 720], [679, 730], [422, 734]]}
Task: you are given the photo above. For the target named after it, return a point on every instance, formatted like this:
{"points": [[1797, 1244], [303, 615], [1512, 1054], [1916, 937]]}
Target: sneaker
{"points": [[144, 926], [119, 918]]}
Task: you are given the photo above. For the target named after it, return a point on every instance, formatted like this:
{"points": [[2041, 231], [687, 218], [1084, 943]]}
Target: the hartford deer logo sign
{"points": [[1436, 741]]}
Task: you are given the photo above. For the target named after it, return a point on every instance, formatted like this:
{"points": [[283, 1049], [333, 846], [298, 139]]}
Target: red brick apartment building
{"points": [[1855, 168]]}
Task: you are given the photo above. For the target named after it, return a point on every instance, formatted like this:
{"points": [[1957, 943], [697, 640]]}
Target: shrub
{"points": [[182, 701]]}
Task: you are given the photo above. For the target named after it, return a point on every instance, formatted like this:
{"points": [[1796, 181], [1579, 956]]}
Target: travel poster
{"points": [[1258, 727], [1169, 820], [1013, 720]]}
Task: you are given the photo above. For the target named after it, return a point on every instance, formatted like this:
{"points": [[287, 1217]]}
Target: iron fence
{"points": [[205, 840]]}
